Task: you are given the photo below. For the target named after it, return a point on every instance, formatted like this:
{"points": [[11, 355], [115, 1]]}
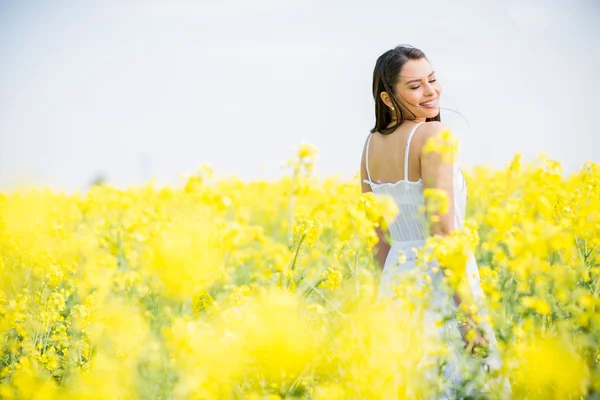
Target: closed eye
{"points": [[416, 87]]}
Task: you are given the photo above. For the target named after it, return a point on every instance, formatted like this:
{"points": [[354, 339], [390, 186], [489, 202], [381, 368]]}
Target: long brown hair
{"points": [[385, 76]]}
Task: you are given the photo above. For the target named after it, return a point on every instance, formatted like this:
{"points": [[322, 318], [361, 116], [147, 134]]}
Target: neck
{"points": [[416, 120]]}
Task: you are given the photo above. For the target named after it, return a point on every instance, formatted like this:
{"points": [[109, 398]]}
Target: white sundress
{"points": [[408, 231]]}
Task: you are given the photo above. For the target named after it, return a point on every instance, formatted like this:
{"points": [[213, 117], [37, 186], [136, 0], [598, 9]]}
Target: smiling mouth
{"points": [[430, 104]]}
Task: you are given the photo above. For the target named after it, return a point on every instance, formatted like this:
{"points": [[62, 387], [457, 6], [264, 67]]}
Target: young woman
{"points": [[407, 96]]}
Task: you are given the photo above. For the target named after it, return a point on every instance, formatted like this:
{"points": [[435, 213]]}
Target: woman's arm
{"points": [[437, 172], [382, 248]]}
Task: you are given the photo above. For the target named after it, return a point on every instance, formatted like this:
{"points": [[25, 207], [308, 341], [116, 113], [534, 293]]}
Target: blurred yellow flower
{"points": [[444, 143]]}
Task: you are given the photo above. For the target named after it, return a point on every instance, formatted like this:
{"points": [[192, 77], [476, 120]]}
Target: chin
{"points": [[433, 113], [425, 113]]}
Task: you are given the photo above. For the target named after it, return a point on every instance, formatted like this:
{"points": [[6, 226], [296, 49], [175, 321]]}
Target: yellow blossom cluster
{"points": [[332, 278], [445, 144]]}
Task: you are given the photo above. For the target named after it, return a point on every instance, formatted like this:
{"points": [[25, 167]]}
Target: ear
{"points": [[385, 97]]}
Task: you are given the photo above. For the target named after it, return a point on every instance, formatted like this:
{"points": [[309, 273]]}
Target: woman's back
{"points": [[387, 154], [410, 224]]}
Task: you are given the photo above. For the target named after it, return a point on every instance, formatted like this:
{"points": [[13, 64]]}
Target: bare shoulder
{"points": [[365, 143], [432, 136], [431, 129]]}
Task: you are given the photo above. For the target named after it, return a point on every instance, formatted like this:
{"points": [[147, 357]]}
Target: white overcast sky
{"points": [[133, 90]]}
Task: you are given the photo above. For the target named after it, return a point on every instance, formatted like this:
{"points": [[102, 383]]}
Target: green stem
{"points": [[312, 287], [291, 207], [295, 258], [301, 375]]}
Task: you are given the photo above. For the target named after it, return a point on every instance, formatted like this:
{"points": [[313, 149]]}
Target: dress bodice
{"points": [[410, 223]]}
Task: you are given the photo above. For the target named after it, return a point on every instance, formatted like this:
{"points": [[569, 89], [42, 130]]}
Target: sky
{"points": [[133, 90]]}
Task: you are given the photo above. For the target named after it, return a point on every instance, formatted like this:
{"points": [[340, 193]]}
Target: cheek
{"points": [[411, 96]]}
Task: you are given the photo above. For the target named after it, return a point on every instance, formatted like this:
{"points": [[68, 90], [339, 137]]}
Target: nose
{"points": [[430, 90]]}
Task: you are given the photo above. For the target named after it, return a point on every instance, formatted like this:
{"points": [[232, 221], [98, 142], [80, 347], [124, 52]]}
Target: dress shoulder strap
{"points": [[406, 150], [367, 156]]}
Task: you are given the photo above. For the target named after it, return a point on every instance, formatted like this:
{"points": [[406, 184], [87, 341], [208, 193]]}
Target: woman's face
{"points": [[417, 90]]}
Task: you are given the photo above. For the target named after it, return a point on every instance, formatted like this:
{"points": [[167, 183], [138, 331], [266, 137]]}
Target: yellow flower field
{"points": [[222, 289]]}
